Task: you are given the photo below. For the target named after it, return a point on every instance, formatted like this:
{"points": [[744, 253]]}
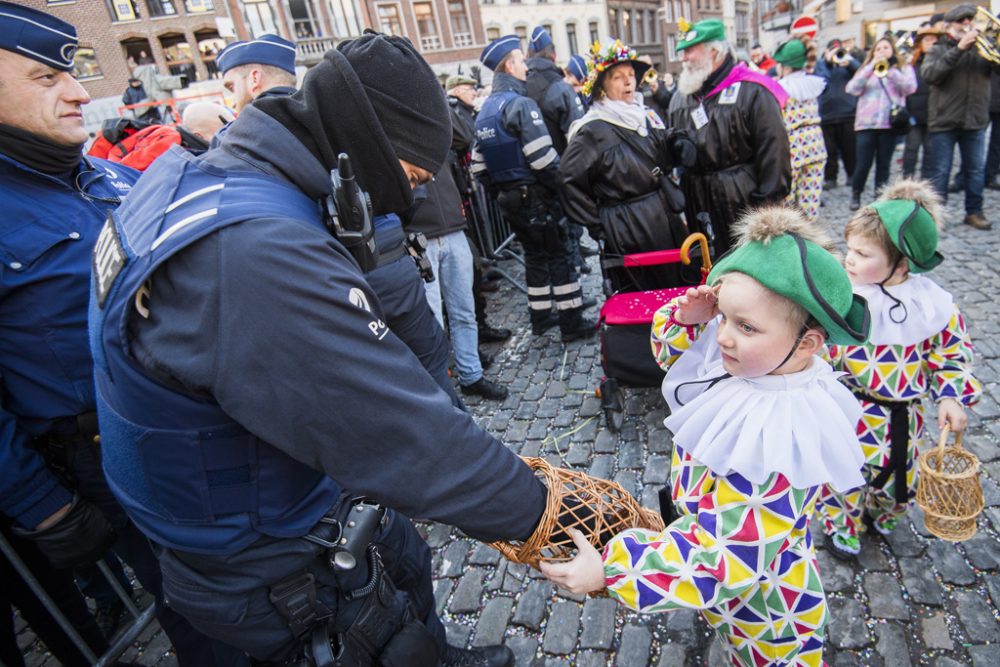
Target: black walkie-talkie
{"points": [[349, 215]]}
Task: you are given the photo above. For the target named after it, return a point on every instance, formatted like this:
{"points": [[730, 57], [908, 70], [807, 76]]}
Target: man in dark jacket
{"points": [[959, 108], [262, 334], [734, 115], [836, 110]]}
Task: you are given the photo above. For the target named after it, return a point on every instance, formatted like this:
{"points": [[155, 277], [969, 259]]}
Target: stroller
{"points": [[626, 318]]}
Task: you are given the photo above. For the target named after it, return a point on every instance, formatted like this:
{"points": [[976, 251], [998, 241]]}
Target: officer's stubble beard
{"points": [[693, 76]]}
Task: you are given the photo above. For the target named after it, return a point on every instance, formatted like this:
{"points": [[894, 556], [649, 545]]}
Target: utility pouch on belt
{"points": [[416, 245], [512, 201]]}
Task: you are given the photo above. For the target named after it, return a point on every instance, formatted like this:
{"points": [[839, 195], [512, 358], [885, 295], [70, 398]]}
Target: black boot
{"points": [[855, 201], [488, 334], [542, 323], [488, 656], [577, 329]]}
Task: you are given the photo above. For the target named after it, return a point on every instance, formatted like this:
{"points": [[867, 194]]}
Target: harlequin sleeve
{"points": [[703, 560], [949, 364], [670, 339]]}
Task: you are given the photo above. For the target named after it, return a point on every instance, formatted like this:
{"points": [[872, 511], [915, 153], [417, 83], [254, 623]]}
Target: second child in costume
{"points": [[760, 424], [918, 346]]}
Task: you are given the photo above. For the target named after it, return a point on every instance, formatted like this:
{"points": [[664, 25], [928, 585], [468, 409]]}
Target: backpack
{"points": [[133, 143]]}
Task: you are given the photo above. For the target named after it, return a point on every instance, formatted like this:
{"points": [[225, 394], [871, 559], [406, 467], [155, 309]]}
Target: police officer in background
{"points": [[55, 201], [576, 75], [265, 67], [227, 299], [515, 155]]}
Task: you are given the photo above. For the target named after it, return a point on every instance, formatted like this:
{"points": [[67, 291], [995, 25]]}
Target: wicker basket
{"points": [[598, 508], [949, 491]]}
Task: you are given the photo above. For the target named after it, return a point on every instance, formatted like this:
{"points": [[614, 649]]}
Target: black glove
{"points": [[81, 537], [685, 152]]}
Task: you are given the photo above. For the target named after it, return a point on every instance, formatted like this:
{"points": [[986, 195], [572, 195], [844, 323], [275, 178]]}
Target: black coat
{"points": [[615, 183], [959, 83], [916, 102], [743, 155]]}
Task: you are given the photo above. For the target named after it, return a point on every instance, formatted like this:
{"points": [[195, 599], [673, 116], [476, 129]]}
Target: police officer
{"points": [[576, 76], [545, 85], [222, 297], [514, 155], [266, 67], [54, 202]]}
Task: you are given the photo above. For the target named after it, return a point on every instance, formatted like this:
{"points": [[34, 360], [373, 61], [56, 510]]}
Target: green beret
{"points": [[709, 30], [792, 53], [912, 230], [808, 275]]}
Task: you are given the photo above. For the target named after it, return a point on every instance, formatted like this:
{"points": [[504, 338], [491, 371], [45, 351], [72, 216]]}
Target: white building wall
{"points": [[507, 18]]}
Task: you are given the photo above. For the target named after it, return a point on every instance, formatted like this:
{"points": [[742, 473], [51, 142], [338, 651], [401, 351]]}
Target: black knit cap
{"points": [[406, 95]]}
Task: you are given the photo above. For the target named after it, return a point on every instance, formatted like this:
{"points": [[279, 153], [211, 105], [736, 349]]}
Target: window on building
{"points": [[123, 10], [548, 29], [161, 8], [639, 30], [595, 33], [671, 48], [198, 6], [389, 20], [492, 33], [614, 24], [423, 12], [522, 32], [459, 17], [571, 37], [259, 17], [345, 17], [625, 31], [85, 65]]}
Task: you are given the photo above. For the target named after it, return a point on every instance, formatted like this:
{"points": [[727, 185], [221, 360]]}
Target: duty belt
{"points": [[899, 440]]}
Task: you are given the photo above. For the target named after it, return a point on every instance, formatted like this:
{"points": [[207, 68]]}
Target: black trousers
{"points": [[839, 139], [873, 146]]}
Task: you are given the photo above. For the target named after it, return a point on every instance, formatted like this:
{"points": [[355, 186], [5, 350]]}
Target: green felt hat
{"points": [[912, 230], [807, 274], [709, 30], [792, 53]]}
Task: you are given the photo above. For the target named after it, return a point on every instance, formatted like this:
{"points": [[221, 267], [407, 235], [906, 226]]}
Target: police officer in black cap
{"points": [[228, 293], [54, 201], [514, 153]]}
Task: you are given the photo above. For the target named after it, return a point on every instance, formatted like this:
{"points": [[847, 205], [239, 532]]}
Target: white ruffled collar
{"points": [[801, 425], [928, 310]]}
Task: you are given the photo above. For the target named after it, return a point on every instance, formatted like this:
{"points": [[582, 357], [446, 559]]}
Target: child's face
{"points": [[866, 262], [756, 332]]}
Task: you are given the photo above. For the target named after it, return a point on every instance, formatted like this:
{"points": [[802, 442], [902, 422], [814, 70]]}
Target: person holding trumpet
{"points": [[882, 82], [959, 108]]}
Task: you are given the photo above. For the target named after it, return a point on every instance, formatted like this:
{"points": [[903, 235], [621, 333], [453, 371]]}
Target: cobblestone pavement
{"points": [[911, 600]]}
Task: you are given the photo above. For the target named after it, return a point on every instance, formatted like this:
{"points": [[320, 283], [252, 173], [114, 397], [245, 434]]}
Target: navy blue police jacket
{"points": [[47, 231], [270, 322]]}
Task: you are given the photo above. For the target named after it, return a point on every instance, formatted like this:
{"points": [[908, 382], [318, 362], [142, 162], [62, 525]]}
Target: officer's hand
{"points": [[80, 537], [684, 150]]}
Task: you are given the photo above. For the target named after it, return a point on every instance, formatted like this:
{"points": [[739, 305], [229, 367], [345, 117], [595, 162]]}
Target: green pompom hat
{"points": [[912, 230], [808, 275], [709, 30], [792, 53]]}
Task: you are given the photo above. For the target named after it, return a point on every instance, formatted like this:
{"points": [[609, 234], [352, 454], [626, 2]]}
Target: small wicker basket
{"points": [[596, 507], [949, 491]]}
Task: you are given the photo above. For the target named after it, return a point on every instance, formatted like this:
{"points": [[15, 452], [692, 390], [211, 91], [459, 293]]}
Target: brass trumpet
{"points": [[841, 57], [881, 68], [650, 76], [988, 40]]}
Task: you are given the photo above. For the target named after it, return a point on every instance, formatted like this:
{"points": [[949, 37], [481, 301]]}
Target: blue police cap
{"points": [[577, 66], [265, 50], [497, 49], [540, 38], [37, 35]]}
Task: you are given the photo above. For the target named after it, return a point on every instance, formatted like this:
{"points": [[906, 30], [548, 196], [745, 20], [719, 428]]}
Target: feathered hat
{"points": [[605, 56]]}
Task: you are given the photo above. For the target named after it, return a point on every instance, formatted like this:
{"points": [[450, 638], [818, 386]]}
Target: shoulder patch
{"points": [[108, 260]]}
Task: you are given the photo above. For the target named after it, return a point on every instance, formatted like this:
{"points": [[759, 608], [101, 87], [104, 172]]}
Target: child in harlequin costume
{"points": [[760, 424], [919, 346]]}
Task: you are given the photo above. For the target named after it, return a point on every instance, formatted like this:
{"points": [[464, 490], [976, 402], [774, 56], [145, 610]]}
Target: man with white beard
{"points": [[734, 115]]}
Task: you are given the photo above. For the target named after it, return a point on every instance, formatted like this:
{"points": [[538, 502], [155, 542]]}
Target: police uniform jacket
{"points": [[47, 233], [559, 104], [273, 321], [743, 153]]}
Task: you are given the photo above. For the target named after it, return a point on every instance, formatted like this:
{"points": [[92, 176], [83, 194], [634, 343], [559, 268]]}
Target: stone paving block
{"points": [[983, 656], [629, 479], [437, 535], [672, 655], [532, 604], [155, 650], [457, 634], [660, 442], [918, 578], [904, 542], [950, 564], [977, 617], [892, 645], [493, 622], [598, 623], [847, 627], [606, 442], [657, 470], [885, 598], [945, 661], [484, 554], [630, 455], [636, 642], [871, 557], [983, 551], [836, 575], [993, 586], [561, 629], [468, 592], [442, 589], [935, 633], [682, 627], [601, 467], [579, 454], [591, 659], [453, 559], [524, 649]]}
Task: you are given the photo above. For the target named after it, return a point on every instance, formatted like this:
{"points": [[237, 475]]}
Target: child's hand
{"points": [[583, 574], [698, 305], [952, 412]]}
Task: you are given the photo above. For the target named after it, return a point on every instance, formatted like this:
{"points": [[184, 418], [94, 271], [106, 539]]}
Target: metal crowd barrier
{"points": [[490, 232], [125, 636]]}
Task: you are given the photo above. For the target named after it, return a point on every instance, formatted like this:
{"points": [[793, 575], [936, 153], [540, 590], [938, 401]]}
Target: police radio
{"points": [[349, 215]]}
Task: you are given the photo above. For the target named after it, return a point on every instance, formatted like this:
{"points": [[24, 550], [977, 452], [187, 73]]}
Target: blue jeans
{"points": [[970, 146], [451, 260], [877, 145]]}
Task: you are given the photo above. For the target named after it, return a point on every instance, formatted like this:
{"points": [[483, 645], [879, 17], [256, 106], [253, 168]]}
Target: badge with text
{"points": [[728, 96], [699, 117], [109, 259]]}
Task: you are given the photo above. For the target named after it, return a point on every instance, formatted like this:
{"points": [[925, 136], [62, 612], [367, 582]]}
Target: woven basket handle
{"points": [[943, 438]]}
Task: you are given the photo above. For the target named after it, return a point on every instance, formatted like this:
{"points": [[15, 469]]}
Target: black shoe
{"points": [[489, 285], [488, 334], [540, 326], [992, 184], [109, 617], [956, 187], [486, 389], [588, 302], [585, 329], [585, 269], [485, 359], [855, 201], [587, 251], [829, 185], [488, 656]]}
